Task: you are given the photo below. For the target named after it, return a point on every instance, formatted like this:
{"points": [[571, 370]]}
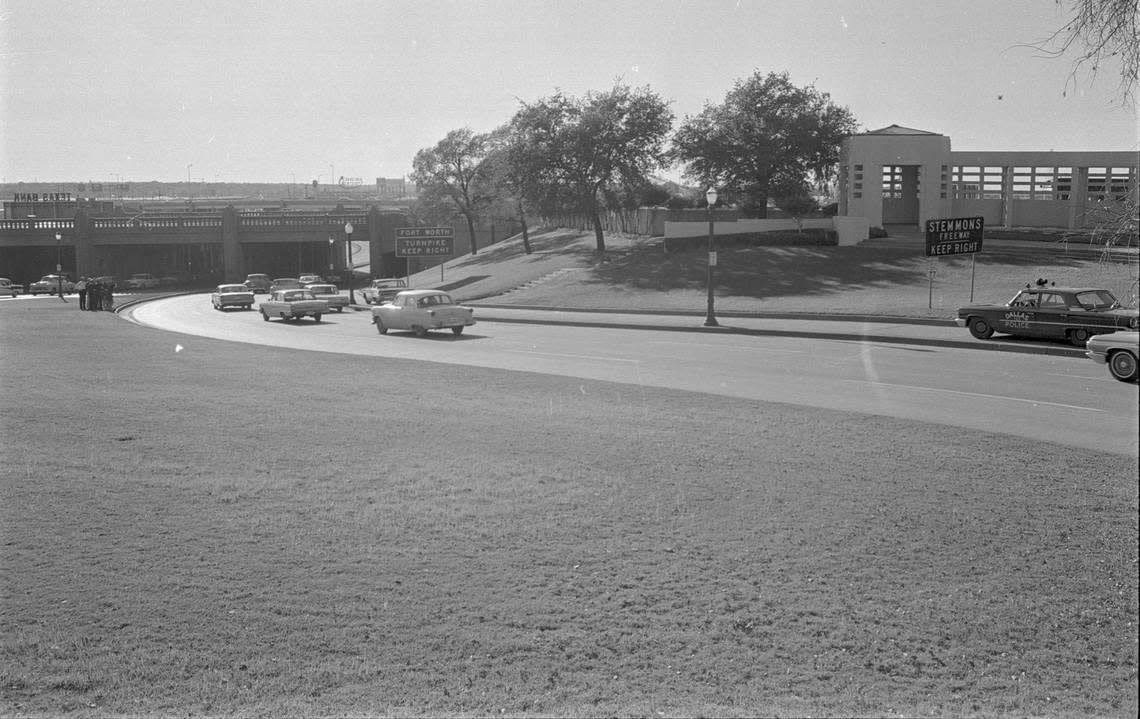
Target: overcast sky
{"points": [[284, 91]]}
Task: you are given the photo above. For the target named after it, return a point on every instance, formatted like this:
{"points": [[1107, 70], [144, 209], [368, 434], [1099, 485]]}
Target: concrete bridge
{"points": [[202, 247]]}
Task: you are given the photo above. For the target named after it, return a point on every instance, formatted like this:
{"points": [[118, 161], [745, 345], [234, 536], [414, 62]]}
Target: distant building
{"points": [[391, 188], [898, 175]]}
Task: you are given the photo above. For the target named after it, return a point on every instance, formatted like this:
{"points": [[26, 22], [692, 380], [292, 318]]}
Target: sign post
{"points": [[954, 236], [426, 242]]}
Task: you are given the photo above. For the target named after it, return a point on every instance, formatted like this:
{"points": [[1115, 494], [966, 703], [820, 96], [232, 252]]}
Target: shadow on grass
{"points": [[561, 241], [768, 272]]}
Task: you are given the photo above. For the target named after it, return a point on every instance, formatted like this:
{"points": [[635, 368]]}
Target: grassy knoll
{"points": [[231, 530], [876, 279]]}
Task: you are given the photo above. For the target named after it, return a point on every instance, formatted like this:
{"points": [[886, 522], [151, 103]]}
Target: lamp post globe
{"points": [[351, 266], [59, 263], [710, 314]]}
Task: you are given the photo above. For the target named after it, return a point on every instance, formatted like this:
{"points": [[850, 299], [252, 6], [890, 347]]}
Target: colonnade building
{"points": [[901, 176]]}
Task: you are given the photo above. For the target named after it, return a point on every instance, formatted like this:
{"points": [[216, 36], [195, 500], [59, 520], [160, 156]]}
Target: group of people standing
{"points": [[95, 294]]}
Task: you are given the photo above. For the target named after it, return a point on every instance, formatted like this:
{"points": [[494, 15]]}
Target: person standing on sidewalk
{"points": [[93, 290], [81, 288]]}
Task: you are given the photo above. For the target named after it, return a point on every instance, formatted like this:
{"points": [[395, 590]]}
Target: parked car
{"points": [[258, 283], [141, 281], [8, 289], [381, 290], [330, 294], [232, 296], [1072, 313], [307, 280], [420, 311], [293, 304], [285, 283], [50, 284], [1119, 350]]}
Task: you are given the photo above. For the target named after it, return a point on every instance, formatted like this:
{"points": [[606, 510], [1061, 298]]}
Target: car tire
{"points": [[340, 309], [1078, 337], [317, 317], [380, 327], [419, 330], [980, 329], [458, 329], [264, 315], [1122, 365]]}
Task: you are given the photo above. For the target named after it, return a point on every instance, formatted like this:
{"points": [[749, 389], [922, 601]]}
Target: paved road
{"points": [[1064, 399]]}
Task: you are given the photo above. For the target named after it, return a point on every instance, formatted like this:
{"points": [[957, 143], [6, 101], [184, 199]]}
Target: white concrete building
{"points": [[898, 175]]}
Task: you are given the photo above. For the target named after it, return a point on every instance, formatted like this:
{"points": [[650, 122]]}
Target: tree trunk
{"points": [[596, 215], [471, 231], [598, 235], [525, 232]]}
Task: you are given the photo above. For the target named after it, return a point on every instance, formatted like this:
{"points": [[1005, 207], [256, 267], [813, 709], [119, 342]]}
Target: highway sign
{"points": [[954, 236], [425, 241]]}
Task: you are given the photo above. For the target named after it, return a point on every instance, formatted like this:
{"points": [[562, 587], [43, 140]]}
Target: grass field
{"points": [[890, 278], [181, 538]]}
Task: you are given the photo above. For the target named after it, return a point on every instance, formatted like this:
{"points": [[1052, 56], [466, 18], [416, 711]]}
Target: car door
{"points": [[1020, 316], [1052, 315]]}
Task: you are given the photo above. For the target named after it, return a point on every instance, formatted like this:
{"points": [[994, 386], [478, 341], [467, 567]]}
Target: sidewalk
{"points": [[890, 330]]}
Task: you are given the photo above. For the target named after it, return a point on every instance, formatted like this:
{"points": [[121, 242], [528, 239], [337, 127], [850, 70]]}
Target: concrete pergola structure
{"points": [[899, 175]]}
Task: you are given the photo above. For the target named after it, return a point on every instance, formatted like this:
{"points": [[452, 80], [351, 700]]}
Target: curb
{"points": [[806, 316], [988, 345]]}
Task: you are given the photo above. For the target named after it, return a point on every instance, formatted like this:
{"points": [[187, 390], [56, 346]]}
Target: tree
{"points": [[505, 183], [568, 150], [797, 202], [767, 132], [1099, 30], [450, 173]]}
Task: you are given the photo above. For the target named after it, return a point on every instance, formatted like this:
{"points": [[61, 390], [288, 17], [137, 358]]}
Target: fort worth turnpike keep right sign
{"points": [[955, 236]]}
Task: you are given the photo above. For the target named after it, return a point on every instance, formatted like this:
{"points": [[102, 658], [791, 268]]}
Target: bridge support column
{"points": [[86, 261], [233, 263]]}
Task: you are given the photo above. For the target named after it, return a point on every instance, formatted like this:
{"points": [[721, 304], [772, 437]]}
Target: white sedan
{"points": [[233, 295], [1118, 350], [420, 311]]}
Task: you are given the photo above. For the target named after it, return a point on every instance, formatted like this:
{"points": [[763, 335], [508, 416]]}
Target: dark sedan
{"points": [[1069, 313]]}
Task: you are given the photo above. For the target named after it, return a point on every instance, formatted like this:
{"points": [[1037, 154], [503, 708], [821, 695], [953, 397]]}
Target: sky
{"points": [[288, 91]]}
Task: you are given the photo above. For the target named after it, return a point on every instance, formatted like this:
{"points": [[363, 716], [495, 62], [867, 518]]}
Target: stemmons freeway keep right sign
{"points": [[954, 236]]}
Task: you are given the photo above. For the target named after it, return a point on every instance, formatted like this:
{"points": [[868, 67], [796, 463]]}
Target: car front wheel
{"points": [[980, 328], [380, 326], [458, 329], [264, 315], [317, 317], [419, 330], [1122, 365], [1079, 336]]}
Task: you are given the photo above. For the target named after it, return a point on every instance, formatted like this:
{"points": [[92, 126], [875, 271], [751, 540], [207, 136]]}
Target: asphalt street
{"points": [[921, 372]]}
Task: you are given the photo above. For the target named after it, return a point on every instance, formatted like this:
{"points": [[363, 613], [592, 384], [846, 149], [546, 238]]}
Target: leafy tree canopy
{"points": [[450, 174], [768, 133], [567, 150]]}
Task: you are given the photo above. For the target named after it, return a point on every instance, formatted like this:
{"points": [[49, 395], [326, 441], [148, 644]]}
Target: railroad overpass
{"points": [[220, 245]]}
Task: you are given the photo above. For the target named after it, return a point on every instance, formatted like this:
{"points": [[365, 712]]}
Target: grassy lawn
{"points": [[243, 531], [893, 280]]}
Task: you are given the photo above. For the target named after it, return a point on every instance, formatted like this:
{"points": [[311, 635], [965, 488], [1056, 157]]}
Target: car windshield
{"points": [[1097, 300], [1024, 299], [434, 300]]}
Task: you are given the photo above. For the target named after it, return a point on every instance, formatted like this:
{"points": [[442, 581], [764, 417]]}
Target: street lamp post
{"points": [[351, 266], [710, 316], [59, 263], [332, 242]]}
